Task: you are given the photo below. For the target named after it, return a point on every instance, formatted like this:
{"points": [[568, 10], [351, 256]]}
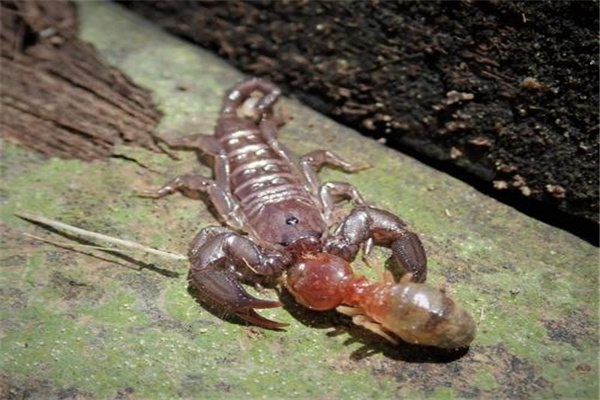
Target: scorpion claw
{"points": [[408, 253], [340, 248], [251, 316], [222, 288]]}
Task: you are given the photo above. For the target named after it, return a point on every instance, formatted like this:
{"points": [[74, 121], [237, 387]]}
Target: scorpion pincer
{"points": [[285, 212]]}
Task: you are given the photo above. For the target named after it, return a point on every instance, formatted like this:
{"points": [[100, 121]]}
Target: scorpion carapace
{"points": [[285, 211]]}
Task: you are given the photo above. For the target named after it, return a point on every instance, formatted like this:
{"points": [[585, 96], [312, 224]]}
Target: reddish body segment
{"points": [[415, 312], [286, 212]]}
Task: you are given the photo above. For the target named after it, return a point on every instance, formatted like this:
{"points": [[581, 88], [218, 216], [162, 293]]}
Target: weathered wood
{"points": [[57, 96], [507, 92]]}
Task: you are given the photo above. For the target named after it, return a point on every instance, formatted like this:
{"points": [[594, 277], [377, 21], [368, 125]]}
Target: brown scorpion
{"points": [[286, 213]]}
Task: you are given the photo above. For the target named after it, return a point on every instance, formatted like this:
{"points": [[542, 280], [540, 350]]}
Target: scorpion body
{"points": [[286, 212], [262, 177]]}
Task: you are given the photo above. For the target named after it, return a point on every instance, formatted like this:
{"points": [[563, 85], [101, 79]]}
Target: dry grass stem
{"points": [[96, 236]]}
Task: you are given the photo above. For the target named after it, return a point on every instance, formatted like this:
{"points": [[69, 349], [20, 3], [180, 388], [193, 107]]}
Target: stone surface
{"points": [[91, 324]]}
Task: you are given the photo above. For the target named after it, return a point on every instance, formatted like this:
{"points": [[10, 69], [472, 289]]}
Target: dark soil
{"points": [[57, 96], [501, 94]]}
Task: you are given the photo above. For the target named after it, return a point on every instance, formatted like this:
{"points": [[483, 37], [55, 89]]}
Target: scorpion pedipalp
{"points": [[365, 225], [220, 261], [221, 287]]}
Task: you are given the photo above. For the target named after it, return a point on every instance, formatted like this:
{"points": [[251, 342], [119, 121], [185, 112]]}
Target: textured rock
{"points": [[77, 325]]}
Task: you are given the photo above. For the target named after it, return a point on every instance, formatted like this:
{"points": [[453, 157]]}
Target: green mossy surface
{"points": [[92, 324]]}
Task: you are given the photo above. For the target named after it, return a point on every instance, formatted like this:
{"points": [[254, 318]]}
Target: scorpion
{"points": [[285, 213]]}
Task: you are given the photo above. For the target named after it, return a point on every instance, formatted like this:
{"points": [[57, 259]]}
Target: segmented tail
{"points": [[242, 91]]}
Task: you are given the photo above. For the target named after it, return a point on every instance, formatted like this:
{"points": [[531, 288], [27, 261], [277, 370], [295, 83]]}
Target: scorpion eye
{"points": [[291, 221]]}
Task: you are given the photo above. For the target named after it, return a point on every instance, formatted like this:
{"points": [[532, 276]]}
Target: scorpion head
{"points": [[292, 224]]}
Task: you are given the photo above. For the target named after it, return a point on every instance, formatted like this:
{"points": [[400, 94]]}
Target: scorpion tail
{"points": [[221, 287]]}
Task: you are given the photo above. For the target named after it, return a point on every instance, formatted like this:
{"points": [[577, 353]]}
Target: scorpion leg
{"points": [[312, 162], [333, 192], [220, 260], [226, 205], [203, 143], [206, 145], [366, 225]]}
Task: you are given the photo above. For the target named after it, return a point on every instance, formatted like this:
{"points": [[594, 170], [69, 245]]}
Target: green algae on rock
{"points": [[106, 326]]}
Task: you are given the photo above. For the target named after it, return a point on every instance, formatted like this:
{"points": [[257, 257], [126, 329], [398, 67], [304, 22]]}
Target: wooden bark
{"points": [[57, 96], [502, 94]]}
